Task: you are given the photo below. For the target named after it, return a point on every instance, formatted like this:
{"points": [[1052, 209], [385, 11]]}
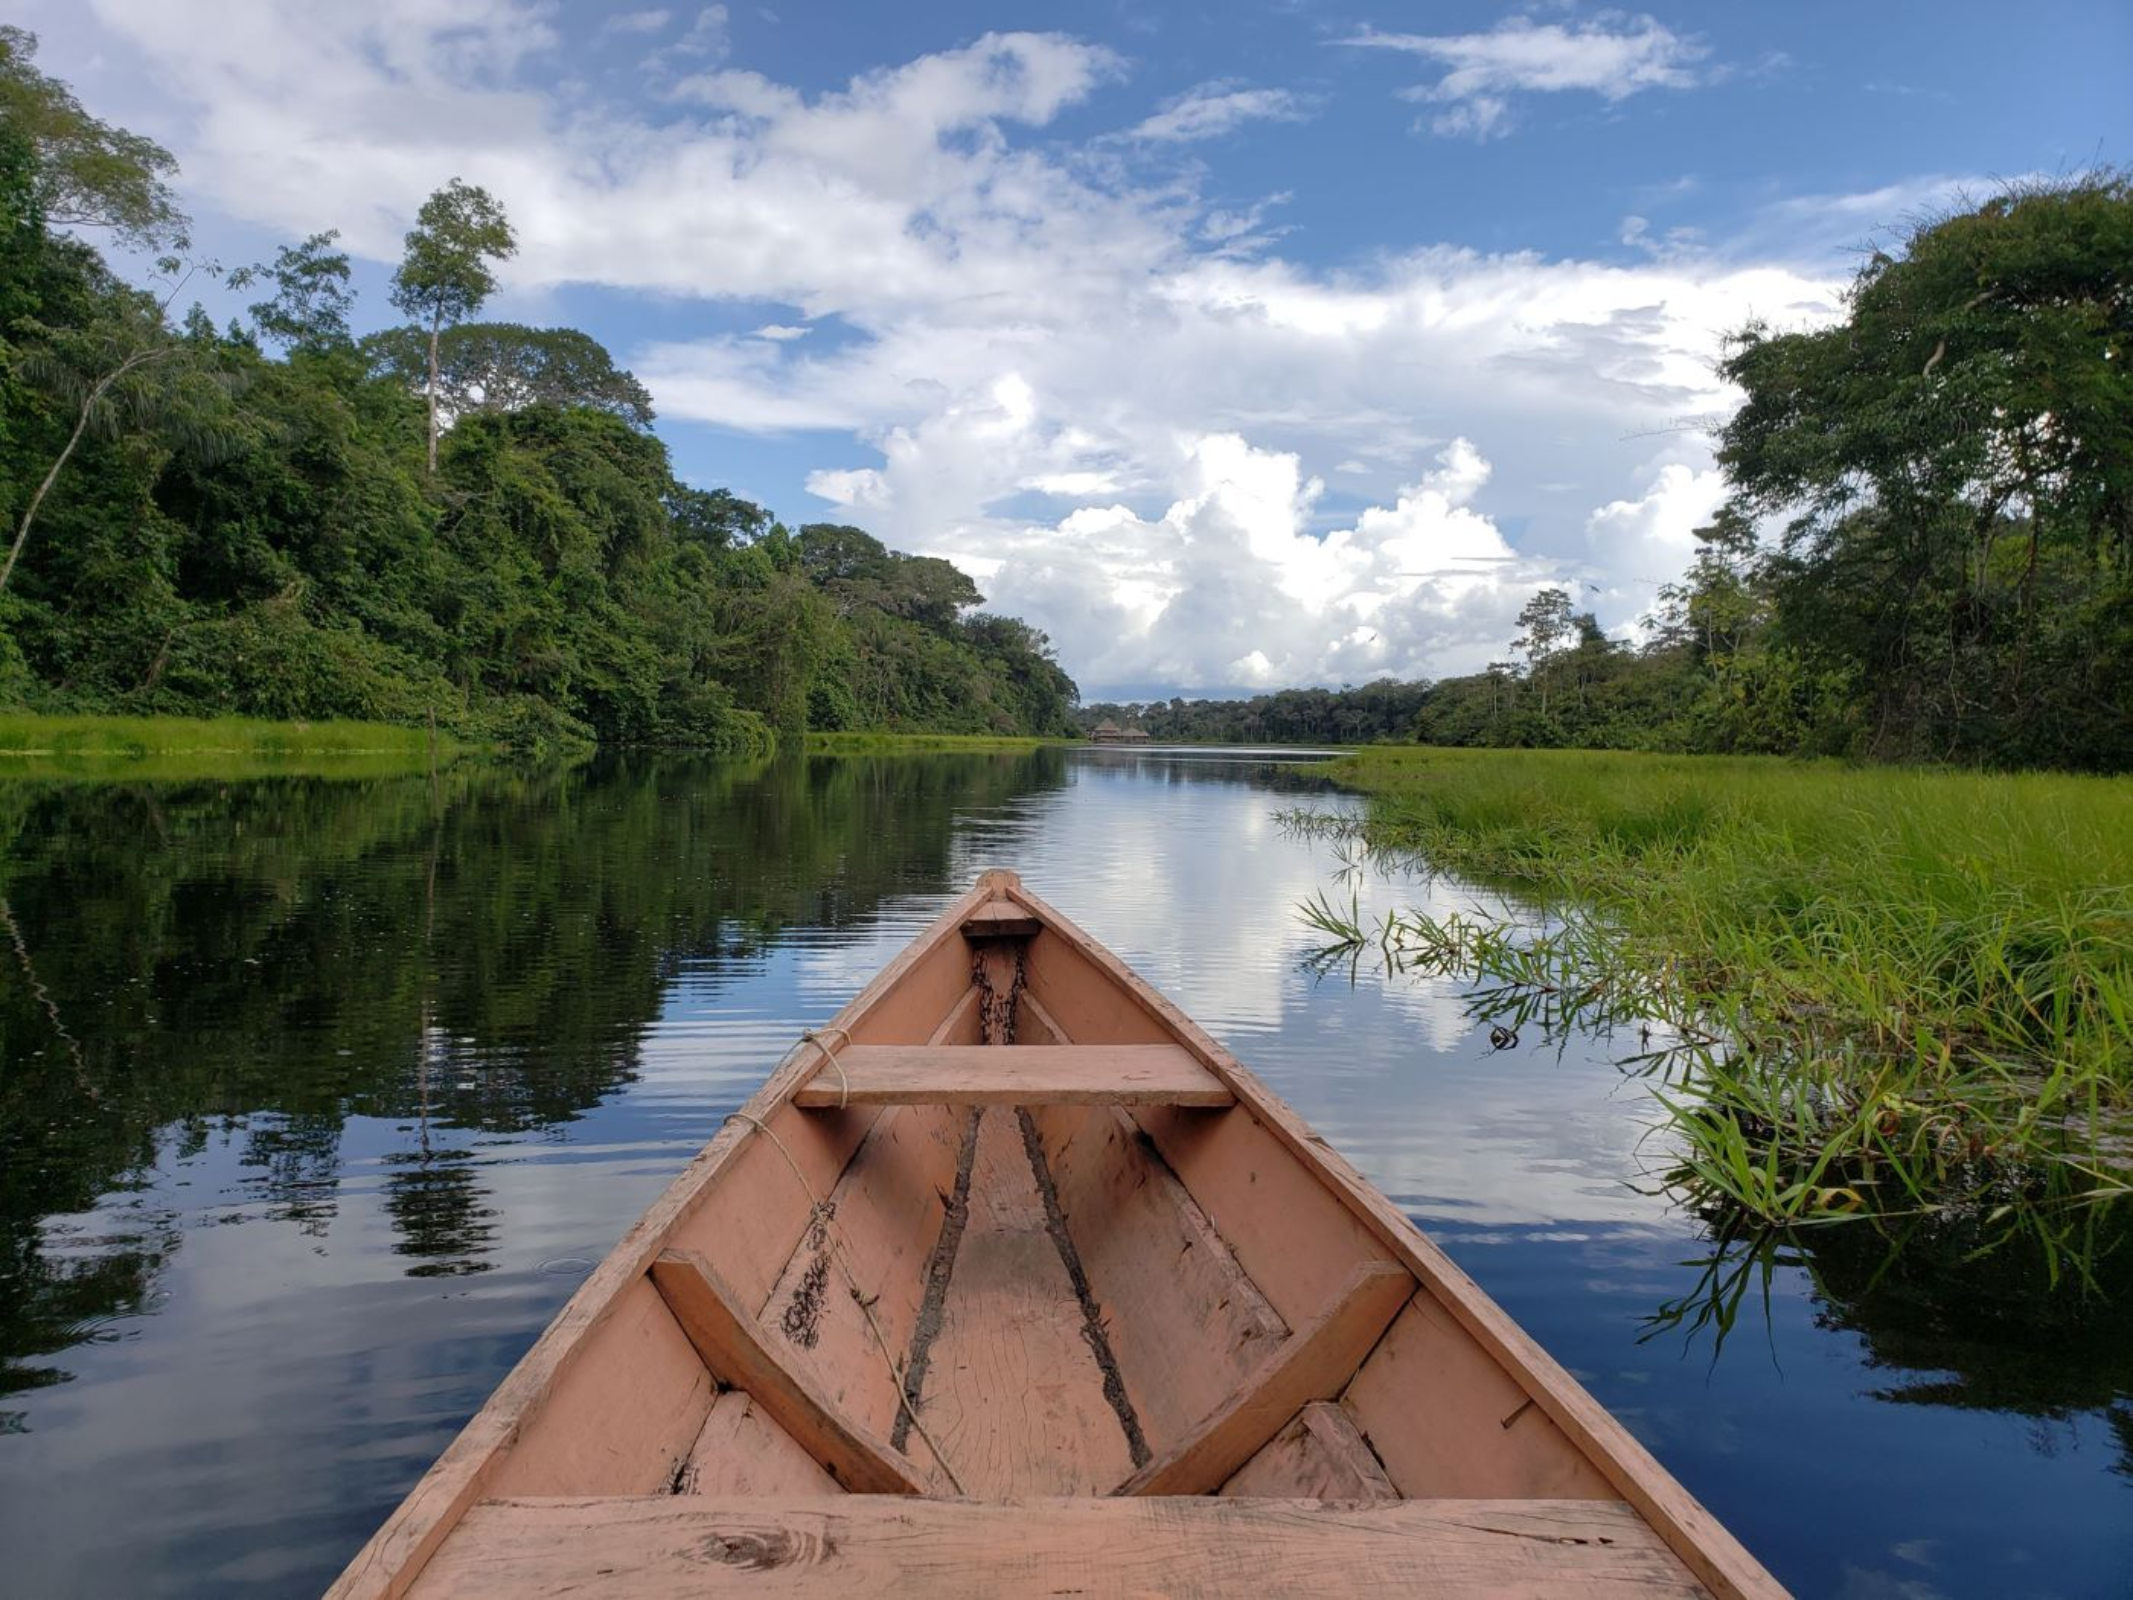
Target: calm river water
{"points": [[318, 1097]]}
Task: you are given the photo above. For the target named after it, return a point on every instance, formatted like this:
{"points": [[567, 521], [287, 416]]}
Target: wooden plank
{"points": [[889, 1549], [934, 967], [1015, 1074], [1320, 1455], [1697, 1537], [886, 1215], [1185, 1322], [1000, 919], [741, 1452], [1290, 1232], [965, 1024], [731, 1344], [1484, 1436], [1013, 1394], [628, 1421], [1315, 1363]]}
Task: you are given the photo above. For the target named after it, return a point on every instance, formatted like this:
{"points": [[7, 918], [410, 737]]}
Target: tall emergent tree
{"points": [[444, 277], [1956, 461], [1550, 630]]}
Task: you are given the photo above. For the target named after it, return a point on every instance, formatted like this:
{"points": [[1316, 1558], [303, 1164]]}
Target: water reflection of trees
{"points": [[1947, 1315], [472, 958]]}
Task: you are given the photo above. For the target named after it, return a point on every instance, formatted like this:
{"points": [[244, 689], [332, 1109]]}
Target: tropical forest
{"points": [[1269, 799]]}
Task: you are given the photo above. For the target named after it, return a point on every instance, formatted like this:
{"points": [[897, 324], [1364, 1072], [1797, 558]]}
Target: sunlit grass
{"points": [[31, 744], [1877, 990]]}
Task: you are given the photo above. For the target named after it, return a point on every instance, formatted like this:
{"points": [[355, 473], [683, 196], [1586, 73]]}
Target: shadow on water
{"points": [[270, 960]]}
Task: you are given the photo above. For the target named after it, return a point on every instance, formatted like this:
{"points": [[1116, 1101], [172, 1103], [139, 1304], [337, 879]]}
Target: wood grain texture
{"points": [[741, 1452], [628, 1421], [886, 1213], [1014, 1075], [887, 1549], [1700, 1539], [731, 1344], [1481, 1437], [1314, 1363], [1320, 1455], [1185, 1322], [1289, 1231], [1013, 1393], [1000, 919]]}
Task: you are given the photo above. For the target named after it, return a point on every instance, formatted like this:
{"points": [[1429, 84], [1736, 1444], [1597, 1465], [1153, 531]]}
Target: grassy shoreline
{"points": [[33, 742], [28, 733], [1880, 990]]}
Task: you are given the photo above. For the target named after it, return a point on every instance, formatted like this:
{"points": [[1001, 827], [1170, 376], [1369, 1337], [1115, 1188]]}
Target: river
{"points": [[319, 1096]]}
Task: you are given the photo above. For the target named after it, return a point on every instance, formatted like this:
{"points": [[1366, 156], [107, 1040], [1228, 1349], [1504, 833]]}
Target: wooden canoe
{"points": [[1012, 1281]]}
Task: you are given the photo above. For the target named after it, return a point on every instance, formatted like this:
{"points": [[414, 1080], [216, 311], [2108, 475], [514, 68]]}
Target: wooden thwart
{"points": [[1312, 1364], [1000, 919], [677, 1545], [1015, 1075], [732, 1347]]}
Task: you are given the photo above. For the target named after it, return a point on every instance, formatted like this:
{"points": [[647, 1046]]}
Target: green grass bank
{"points": [[1883, 989], [31, 744]]}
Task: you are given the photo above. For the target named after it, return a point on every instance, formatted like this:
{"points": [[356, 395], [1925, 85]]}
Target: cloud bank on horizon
{"points": [[1204, 414]]}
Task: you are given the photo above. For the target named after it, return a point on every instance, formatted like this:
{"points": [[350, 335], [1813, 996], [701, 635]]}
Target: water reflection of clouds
{"points": [[1198, 890]]}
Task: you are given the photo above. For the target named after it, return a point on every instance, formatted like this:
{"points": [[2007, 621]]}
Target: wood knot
{"points": [[765, 1550]]}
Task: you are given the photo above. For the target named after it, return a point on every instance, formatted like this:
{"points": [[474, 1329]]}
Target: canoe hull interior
{"points": [[1015, 1261]]}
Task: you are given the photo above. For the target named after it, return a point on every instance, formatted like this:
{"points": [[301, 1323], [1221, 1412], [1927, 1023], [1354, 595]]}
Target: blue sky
{"points": [[1234, 345]]}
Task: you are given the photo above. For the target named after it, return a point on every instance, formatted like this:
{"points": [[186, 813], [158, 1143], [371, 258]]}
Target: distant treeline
{"points": [[1948, 476], [452, 518], [1376, 711]]}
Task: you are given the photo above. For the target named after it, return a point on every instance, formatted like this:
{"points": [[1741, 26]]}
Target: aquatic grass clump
{"points": [[1877, 990]]}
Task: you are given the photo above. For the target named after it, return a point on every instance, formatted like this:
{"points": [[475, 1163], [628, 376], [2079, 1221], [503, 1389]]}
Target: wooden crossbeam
{"points": [[1014, 1075], [673, 1547], [731, 1344], [1314, 1363], [1000, 919]]}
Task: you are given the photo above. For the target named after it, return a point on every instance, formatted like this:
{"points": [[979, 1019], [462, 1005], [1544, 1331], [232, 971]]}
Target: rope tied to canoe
{"points": [[813, 1036], [822, 1219]]}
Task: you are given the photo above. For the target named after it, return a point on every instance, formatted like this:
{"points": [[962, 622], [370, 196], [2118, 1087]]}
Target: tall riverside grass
{"points": [[1878, 989]]}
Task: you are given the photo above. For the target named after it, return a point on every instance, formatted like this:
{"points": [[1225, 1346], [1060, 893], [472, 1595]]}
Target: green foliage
{"points": [[1954, 467], [89, 174], [1384, 709], [502, 366], [223, 533], [1956, 460], [444, 276], [309, 307]]}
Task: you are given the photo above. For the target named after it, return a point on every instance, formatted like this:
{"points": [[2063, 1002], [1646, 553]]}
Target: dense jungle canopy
{"points": [[246, 518]]}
